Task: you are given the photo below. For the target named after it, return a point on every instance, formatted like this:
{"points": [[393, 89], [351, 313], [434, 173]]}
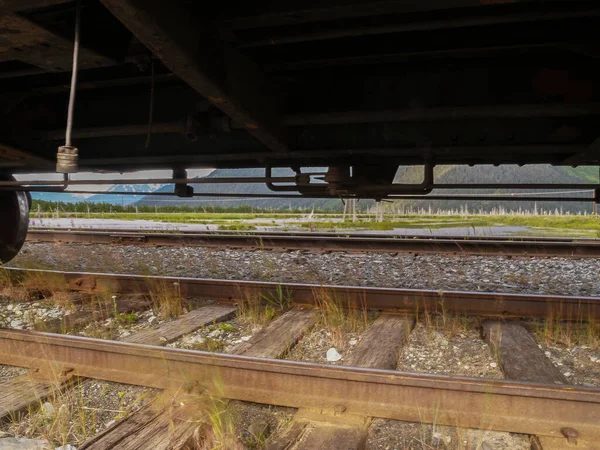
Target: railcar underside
{"points": [[360, 87]]}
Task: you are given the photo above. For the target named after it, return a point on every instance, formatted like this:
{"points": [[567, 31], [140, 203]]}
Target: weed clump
{"points": [[555, 330], [340, 317], [166, 300], [259, 310]]}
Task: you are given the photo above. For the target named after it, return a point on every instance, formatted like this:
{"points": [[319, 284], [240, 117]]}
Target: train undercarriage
{"points": [[355, 89]]}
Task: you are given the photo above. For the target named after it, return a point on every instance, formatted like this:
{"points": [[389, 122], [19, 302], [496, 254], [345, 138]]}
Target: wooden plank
{"points": [[288, 437], [18, 393], [227, 79], [560, 443], [188, 323], [280, 336], [518, 354], [137, 432], [332, 437], [379, 347], [166, 423]]}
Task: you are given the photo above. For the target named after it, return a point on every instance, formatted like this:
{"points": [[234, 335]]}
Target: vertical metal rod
{"points": [[151, 112], [73, 91]]}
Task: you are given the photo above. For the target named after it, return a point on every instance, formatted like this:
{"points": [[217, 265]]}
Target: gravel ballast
{"points": [[429, 349], [560, 276]]}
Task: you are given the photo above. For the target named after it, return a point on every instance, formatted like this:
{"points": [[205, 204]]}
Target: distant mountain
{"points": [[115, 199], [408, 175], [504, 174], [232, 189], [65, 197], [125, 200]]}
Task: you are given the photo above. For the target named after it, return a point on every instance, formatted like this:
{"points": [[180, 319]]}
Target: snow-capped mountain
{"points": [[112, 196]]}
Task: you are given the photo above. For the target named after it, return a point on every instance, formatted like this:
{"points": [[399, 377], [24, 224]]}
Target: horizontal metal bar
{"points": [[582, 186], [357, 117], [204, 180], [445, 400], [172, 195], [109, 131], [324, 195], [456, 113], [404, 56], [297, 35], [192, 159], [492, 198], [308, 241], [408, 301]]}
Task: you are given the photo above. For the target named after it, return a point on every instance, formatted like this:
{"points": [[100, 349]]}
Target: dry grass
{"points": [[166, 299], [259, 310], [440, 320], [14, 293], [554, 330], [107, 318], [64, 299], [32, 286], [340, 317], [222, 432]]}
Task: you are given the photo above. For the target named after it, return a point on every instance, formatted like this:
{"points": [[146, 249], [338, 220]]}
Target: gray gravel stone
{"points": [[12, 443], [445, 272]]}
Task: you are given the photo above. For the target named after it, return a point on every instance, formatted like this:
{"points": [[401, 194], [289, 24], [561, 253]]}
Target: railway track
{"points": [[347, 242], [335, 404]]}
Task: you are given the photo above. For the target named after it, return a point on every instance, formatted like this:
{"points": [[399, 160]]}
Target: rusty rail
{"points": [[475, 245], [409, 301], [543, 410]]}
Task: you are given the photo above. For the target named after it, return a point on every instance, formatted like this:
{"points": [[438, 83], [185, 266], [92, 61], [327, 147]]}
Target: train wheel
{"points": [[14, 221]]}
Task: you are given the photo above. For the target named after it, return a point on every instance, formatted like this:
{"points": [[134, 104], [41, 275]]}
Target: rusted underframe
{"points": [[53, 56], [181, 42], [109, 181], [293, 35], [294, 12], [11, 156], [528, 408], [193, 159], [12, 6], [444, 113], [406, 301], [355, 243]]}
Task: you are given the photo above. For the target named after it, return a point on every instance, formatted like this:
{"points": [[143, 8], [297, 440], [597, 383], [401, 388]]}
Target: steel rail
{"points": [[543, 410], [330, 242], [407, 301], [340, 234]]}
